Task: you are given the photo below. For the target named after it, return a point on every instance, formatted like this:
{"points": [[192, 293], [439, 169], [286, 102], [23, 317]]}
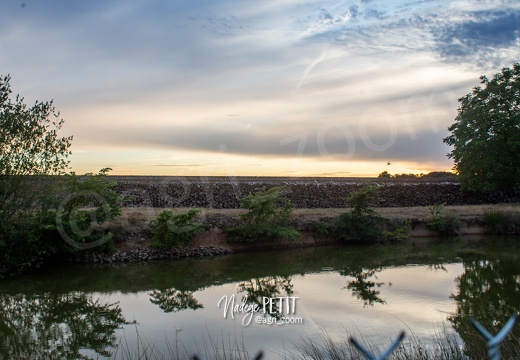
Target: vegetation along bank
{"points": [[267, 220], [49, 214]]}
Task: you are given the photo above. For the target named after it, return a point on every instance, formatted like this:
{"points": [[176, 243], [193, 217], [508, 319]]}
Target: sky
{"points": [[256, 88]]}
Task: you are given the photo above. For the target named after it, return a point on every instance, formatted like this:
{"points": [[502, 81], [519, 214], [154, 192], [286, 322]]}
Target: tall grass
{"points": [[208, 348], [502, 222], [443, 345]]}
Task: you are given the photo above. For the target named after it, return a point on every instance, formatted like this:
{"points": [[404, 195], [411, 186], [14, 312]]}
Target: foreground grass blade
{"points": [[385, 354]]}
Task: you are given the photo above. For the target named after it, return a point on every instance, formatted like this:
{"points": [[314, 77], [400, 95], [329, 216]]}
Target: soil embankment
{"points": [[314, 199], [133, 234]]}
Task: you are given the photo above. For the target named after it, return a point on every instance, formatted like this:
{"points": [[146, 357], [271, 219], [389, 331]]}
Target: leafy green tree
{"points": [[486, 134], [30, 151], [45, 212], [29, 145]]}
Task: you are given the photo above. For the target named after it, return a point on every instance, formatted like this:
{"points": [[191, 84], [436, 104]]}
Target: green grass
{"points": [[502, 222]]}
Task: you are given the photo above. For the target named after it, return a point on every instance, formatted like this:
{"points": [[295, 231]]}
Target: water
{"points": [[423, 287]]}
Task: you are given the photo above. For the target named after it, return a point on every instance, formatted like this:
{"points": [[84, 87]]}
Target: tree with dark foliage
{"points": [[486, 134]]}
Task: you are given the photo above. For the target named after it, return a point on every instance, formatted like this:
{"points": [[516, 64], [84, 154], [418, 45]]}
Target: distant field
{"points": [[273, 179], [305, 192]]}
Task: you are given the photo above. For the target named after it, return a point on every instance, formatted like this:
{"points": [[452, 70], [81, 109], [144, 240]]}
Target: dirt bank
{"points": [[132, 230]]}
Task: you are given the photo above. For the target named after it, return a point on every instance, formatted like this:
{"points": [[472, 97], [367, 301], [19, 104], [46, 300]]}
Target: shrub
{"points": [[447, 224], [322, 227], [268, 216], [86, 202], [363, 223], [360, 200], [173, 229], [354, 226], [65, 218], [396, 230]]}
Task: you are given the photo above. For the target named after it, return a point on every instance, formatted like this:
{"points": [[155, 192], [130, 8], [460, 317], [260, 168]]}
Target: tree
{"points": [[29, 145], [45, 212], [29, 149], [486, 134]]}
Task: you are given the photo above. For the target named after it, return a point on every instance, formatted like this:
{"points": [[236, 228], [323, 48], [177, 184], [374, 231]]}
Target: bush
{"points": [[322, 227], [65, 218], [447, 224], [87, 201], [396, 230], [363, 223], [360, 200], [358, 227], [502, 223], [268, 217], [173, 229]]}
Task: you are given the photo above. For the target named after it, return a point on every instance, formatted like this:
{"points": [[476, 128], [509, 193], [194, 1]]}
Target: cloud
{"points": [[175, 74], [483, 33], [374, 14], [449, 29], [329, 142], [354, 11]]}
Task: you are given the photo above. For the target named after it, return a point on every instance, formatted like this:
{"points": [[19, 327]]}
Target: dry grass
{"points": [[137, 217]]}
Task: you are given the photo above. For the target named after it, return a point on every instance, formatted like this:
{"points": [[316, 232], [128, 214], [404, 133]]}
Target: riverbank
{"points": [[132, 234]]}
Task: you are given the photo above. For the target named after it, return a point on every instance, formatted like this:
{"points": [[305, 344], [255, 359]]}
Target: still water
{"points": [[424, 287]]}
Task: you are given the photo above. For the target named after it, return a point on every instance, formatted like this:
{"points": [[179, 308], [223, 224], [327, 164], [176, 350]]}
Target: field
{"points": [[304, 193]]}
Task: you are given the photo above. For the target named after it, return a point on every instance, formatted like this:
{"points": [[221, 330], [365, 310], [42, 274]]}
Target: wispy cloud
{"points": [[480, 36]]}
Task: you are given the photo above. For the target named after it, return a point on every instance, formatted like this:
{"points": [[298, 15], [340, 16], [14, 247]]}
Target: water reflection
{"points": [[268, 287], [56, 326], [488, 291], [59, 315], [172, 300], [363, 287], [439, 266]]}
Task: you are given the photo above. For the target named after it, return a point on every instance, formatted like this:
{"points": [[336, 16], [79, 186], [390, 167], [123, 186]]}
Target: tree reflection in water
{"points": [[56, 326], [488, 291], [269, 287], [172, 300], [362, 287]]}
